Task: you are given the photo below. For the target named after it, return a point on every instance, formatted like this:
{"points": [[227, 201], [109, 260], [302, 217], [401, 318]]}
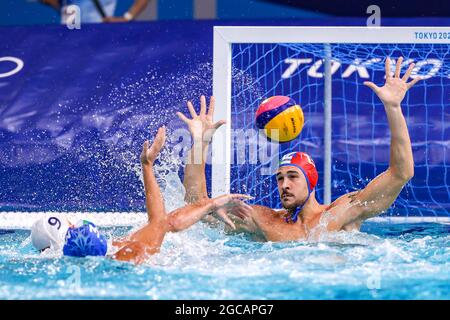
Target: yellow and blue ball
{"points": [[280, 116]]}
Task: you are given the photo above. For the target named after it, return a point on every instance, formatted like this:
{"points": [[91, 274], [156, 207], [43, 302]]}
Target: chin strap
{"points": [[294, 216]]}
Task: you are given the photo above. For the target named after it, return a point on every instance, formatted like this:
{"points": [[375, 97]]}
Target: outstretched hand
{"points": [[229, 202], [394, 90], [149, 154], [201, 126], [242, 211]]}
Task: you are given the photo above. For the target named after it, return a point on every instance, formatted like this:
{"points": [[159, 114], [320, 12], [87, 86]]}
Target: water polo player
{"points": [[84, 239], [297, 176], [78, 240]]}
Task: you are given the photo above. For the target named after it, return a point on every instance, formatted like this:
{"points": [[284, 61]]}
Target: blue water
{"points": [[384, 261]]}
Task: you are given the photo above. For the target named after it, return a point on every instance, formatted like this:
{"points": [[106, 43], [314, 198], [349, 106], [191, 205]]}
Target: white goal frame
{"points": [[224, 37]]}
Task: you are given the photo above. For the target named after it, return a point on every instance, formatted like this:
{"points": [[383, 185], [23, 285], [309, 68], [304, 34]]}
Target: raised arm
{"points": [[381, 192], [202, 129], [148, 239], [153, 198]]}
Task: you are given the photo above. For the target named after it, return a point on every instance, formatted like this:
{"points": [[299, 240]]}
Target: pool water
{"points": [[383, 261]]}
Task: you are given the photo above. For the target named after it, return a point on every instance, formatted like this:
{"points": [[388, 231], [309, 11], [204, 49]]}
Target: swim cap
{"points": [[83, 240], [307, 166], [49, 232], [304, 162]]}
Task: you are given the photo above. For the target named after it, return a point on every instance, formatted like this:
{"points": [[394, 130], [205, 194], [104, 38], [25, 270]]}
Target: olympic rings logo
{"points": [[19, 66]]}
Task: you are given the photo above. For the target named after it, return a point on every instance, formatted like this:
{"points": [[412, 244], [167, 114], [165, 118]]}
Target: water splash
{"points": [[207, 263]]}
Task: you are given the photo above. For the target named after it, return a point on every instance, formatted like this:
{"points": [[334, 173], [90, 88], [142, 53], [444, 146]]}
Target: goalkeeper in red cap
{"points": [[303, 217]]}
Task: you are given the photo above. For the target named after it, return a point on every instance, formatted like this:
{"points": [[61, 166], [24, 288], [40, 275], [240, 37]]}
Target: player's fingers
{"points": [[159, 140], [223, 215], [182, 117], [161, 135], [245, 212], [202, 105], [212, 105], [408, 72], [230, 223], [145, 146], [191, 109], [218, 124], [238, 214], [371, 85], [241, 205], [241, 196], [398, 66], [387, 67], [412, 83]]}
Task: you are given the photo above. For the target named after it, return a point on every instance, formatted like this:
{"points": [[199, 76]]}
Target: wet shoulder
{"points": [[342, 200]]}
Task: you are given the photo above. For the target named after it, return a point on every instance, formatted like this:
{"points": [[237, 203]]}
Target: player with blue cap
{"points": [[84, 239], [79, 240]]}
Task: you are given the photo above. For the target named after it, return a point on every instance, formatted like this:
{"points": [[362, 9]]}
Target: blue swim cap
{"points": [[83, 240]]}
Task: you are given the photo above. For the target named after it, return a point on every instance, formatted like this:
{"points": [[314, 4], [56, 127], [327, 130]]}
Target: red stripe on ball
{"points": [[271, 103]]}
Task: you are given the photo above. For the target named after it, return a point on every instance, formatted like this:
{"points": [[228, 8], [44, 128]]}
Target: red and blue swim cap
{"points": [[304, 162]]}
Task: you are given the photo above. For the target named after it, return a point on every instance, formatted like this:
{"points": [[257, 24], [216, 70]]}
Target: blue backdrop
{"points": [[74, 118]]}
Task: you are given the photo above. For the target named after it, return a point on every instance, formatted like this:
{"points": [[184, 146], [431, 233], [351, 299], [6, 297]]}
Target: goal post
{"points": [[335, 47]]}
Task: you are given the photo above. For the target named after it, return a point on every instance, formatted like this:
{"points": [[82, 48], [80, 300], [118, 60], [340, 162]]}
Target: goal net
{"points": [[256, 63]]}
